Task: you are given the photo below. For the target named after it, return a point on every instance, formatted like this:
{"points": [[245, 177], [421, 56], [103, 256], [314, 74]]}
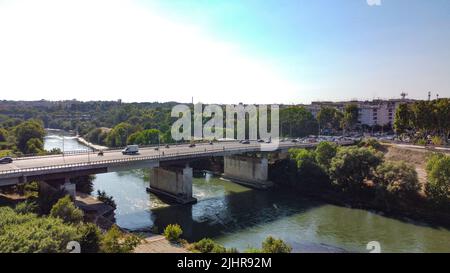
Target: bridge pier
{"points": [[172, 182], [248, 171]]}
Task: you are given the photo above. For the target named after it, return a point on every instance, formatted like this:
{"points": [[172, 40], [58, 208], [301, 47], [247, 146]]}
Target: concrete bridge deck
{"points": [[40, 167]]}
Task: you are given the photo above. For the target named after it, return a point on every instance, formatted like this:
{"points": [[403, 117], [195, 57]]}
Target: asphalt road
{"points": [[46, 161]]}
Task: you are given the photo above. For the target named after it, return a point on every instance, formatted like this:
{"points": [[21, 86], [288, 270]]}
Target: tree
{"points": [[26, 207], [66, 210], [84, 183], [115, 241], [272, 245], [329, 118], [117, 137], [310, 174], [146, 137], [325, 151], [34, 146], [352, 166], [297, 121], [398, 179], [402, 119], [108, 200], [438, 170], [27, 130], [351, 115]]}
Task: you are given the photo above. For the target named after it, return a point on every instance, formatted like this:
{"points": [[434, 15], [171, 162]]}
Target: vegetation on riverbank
{"points": [[362, 177], [173, 234]]}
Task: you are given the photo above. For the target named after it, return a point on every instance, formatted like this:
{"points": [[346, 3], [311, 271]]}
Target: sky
{"points": [[228, 51]]}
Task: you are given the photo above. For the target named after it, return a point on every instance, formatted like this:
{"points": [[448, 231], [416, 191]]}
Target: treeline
{"points": [[361, 176], [424, 121], [22, 137]]}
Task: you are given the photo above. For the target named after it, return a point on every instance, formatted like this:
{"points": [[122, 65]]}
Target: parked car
{"points": [[6, 160], [131, 150], [167, 146], [191, 145], [245, 142], [260, 140]]}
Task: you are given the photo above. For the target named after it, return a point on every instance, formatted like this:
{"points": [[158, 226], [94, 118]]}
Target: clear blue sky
{"points": [[341, 48], [261, 51]]}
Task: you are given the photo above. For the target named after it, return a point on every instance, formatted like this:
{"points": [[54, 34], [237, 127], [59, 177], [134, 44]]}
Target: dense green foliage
{"points": [[25, 233], [207, 245], [397, 179], [438, 186], [424, 118], [173, 232], [66, 211], [352, 166], [297, 121], [90, 238], [115, 241], [324, 153], [330, 118], [272, 245]]}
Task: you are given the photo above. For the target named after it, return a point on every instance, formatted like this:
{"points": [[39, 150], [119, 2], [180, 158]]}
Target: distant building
{"points": [[371, 113]]}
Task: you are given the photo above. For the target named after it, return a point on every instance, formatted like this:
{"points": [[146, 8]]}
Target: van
{"points": [[130, 150]]}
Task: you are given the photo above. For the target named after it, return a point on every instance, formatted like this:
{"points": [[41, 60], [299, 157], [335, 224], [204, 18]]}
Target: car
{"points": [[211, 143], [260, 140], [268, 141], [130, 150], [156, 148], [6, 160], [294, 141], [192, 145], [167, 146], [245, 142]]}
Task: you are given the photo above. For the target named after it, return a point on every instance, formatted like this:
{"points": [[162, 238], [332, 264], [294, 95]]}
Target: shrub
{"points": [[436, 140], [90, 238], [115, 241], [207, 245], [173, 232], [26, 207], [272, 245], [371, 143], [398, 179], [66, 210]]}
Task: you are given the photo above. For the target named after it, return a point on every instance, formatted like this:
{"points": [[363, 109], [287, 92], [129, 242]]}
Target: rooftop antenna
{"points": [[437, 96], [403, 95], [429, 96]]}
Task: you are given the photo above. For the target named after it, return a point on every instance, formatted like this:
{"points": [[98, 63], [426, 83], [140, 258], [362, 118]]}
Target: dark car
{"points": [[260, 140], [6, 160], [191, 145]]}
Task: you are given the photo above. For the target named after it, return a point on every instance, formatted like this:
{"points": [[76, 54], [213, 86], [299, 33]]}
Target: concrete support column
{"points": [[70, 188], [249, 171], [172, 183]]}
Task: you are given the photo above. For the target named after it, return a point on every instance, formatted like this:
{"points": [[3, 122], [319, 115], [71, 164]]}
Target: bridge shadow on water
{"points": [[216, 216]]}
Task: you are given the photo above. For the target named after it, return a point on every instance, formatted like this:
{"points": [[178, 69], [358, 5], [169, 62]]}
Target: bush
{"points": [[115, 241], [28, 233], [90, 238], [438, 170], [436, 140], [272, 245], [371, 143], [207, 245], [173, 232], [398, 179], [309, 174], [66, 210], [26, 207], [352, 166]]}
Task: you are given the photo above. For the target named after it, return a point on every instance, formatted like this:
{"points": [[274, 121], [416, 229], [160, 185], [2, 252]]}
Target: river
{"points": [[240, 217]]}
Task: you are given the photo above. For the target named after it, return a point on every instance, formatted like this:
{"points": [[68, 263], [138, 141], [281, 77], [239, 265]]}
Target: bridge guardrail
{"points": [[166, 156]]}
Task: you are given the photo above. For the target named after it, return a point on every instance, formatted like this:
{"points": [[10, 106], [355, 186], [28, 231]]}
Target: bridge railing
{"points": [[168, 155]]}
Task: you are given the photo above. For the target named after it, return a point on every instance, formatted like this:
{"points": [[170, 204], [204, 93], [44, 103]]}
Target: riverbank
{"points": [[158, 244], [90, 144]]}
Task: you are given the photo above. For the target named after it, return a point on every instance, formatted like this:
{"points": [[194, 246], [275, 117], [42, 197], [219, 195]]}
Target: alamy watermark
{"points": [[239, 122]]}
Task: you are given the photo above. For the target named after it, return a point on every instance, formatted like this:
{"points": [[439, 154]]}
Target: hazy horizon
{"points": [[285, 52]]}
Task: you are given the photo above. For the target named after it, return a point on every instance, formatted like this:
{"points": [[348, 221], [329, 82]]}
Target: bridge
{"points": [[166, 176]]}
